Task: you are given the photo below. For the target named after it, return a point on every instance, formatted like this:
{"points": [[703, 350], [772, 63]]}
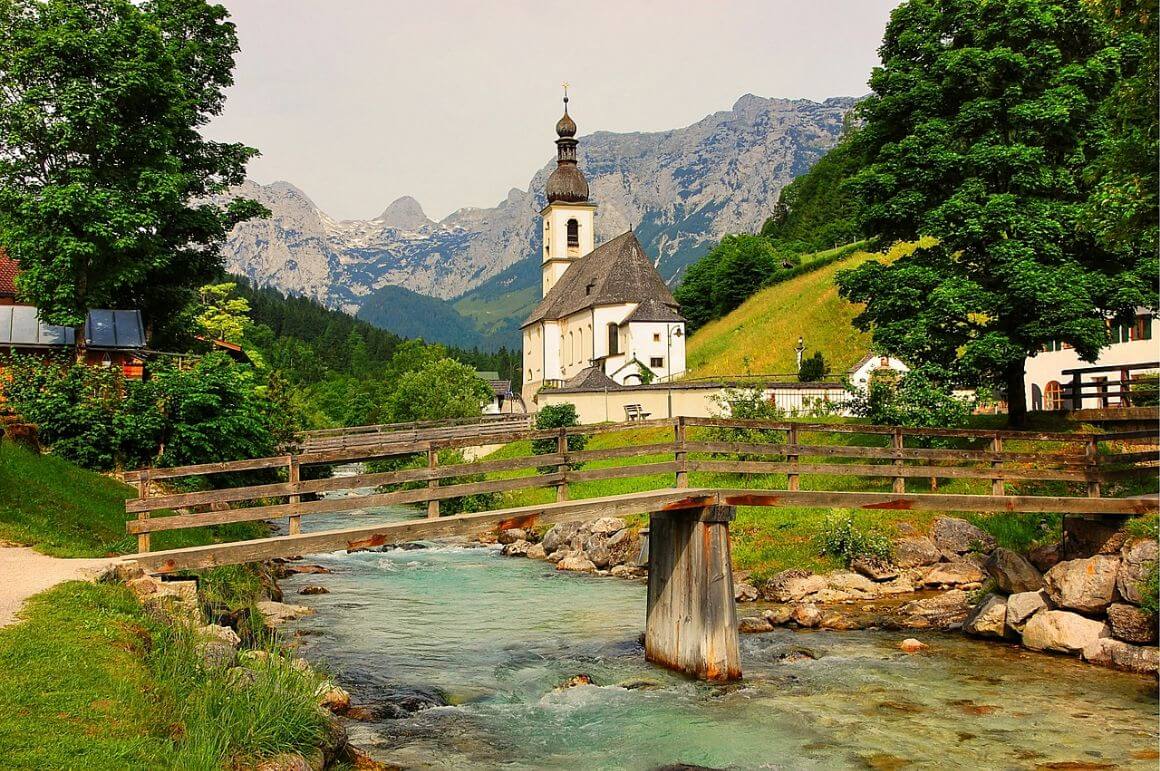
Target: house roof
{"points": [[589, 379], [8, 271], [617, 271], [20, 326], [652, 310]]}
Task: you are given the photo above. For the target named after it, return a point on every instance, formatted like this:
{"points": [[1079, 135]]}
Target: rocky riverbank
{"points": [[1081, 597]]}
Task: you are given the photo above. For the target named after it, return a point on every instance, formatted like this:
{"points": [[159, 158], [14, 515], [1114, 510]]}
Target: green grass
{"points": [[91, 682], [66, 511]]}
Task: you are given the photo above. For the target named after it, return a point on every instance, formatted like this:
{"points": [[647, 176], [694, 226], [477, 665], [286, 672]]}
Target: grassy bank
{"points": [[92, 682]]}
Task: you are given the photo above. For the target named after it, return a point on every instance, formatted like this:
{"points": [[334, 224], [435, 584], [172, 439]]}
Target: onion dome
{"points": [[567, 182]]}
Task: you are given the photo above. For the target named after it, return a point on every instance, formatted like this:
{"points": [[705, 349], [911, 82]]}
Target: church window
{"points": [[573, 233], [656, 361], [529, 376], [571, 349], [656, 337], [613, 340]]}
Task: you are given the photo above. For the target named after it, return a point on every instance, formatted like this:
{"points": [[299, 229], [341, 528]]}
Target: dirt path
{"points": [[24, 572]]}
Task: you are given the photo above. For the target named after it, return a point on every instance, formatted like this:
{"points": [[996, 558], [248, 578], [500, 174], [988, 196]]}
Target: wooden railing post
{"points": [[1077, 391], [143, 493], [897, 442], [432, 484], [997, 483], [679, 454], [293, 476], [793, 482], [562, 449], [1093, 459]]}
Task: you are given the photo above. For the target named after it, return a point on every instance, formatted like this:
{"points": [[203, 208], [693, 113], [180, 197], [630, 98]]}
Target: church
{"points": [[606, 319]]}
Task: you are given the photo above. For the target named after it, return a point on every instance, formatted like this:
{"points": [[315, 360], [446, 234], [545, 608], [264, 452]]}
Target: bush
{"points": [[842, 538], [747, 403], [813, 369], [1145, 390], [911, 399], [557, 416], [440, 389]]}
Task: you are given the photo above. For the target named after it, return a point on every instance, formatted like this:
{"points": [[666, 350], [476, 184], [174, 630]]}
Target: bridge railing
{"points": [[717, 453], [386, 433]]}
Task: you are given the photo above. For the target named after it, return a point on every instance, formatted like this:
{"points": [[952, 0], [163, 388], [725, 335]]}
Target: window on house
{"points": [[613, 340], [656, 361], [656, 337], [1052, 396], [573, 233], [1143, 328]]}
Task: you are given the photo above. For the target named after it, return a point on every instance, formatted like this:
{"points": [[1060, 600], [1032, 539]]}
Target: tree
{"points": [[978, 132], [813, 368], [219, 315], [441, 389], [109, 195], [744, 262]]}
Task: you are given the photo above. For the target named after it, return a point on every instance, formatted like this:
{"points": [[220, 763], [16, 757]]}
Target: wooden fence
{"points": [[389, 433], [729, 450]]}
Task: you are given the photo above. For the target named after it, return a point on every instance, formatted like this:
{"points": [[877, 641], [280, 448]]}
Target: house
{"points": [[1057, 379], [502, 398], [603, 308], [859, 375]]}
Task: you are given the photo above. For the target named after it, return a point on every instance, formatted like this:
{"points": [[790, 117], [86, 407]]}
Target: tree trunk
{"points": [[1016, 396], [81, 349]]}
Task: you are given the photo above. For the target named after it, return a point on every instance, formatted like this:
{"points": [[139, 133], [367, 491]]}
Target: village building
{"points": [[605, 310], [1057, 379]]}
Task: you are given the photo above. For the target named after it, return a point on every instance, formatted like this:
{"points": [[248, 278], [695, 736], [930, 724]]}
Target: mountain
{"points": [[681, 190], [411, 314]]}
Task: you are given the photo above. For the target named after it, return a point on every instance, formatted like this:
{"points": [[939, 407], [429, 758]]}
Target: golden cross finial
{"points": [[565, 84]]}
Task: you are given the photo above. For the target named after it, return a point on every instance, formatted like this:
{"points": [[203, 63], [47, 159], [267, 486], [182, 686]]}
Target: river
{"points": [[494, 635]]}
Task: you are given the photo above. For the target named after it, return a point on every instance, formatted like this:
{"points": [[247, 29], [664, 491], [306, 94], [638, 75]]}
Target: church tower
{"points": [[569, 217]]}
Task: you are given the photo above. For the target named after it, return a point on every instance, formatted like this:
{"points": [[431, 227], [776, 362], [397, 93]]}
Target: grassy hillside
{"points": [[760, 336]]}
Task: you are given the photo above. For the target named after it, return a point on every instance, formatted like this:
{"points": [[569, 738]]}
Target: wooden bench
{"points": [[634, 412]]}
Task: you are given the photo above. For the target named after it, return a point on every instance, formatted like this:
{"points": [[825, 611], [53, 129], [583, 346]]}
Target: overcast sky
{"points": [[359, 102]]}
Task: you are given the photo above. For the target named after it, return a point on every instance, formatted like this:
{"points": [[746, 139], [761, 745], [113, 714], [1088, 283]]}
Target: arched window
{"points": [[571, 349], [1052, 396], [580, 345], [1036, 397], [573, 233], [613, 340], [529, 376]]}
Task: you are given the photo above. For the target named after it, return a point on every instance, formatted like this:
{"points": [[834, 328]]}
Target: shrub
{"points": [[841, 537], [912, 399], [813, 369], [557, 416], [747, 403], [1145, 390], [438, 390]]}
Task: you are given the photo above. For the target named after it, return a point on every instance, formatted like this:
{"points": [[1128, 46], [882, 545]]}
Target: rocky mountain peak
{"points": [[404, 214]]}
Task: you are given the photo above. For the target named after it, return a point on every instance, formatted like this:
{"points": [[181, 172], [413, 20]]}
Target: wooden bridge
{"points": [[691, 622]]}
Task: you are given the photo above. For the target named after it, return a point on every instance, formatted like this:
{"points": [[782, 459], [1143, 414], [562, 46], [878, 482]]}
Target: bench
{"points": [[635, 412]]}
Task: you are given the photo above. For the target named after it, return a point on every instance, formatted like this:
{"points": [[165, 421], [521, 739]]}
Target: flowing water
{"points": [[492, 636]]}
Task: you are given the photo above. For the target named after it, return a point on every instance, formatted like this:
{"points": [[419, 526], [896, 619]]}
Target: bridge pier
{"points": [[692, 619]]}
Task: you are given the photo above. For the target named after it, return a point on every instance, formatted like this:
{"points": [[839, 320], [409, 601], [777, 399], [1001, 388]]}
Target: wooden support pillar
{"points": [[1093, 467], [432, 484], [143, 493], [562, 449], [679, 454], [997, 484], [294, 474], [692, 620], [793, 481], [898, 442]]}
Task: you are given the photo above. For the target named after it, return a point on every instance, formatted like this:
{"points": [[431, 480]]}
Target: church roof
{"points": [[590, 379], [617, 271], [653, 310]]}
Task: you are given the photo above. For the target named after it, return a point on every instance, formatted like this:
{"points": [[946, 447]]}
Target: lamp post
{"points": [[671, 331]]}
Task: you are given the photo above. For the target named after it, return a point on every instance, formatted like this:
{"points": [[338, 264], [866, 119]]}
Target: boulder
{"points": [[779, 615], [216, 654], [897, 586], [560, 536], [1012, 572], [274, 614], [606, 526], [793, 585], [597, 549], [558, 555], [743, 592], [627, 571], [168, 609], [1045, 557], [943, 611], [806, 615], [313, 589], [624, 546], [953, 574], [577, 563], [1137, 558], [1024, 605], [988, 618], [1118, 654], [838, 621], [333, 697], [1087, 585], [874, 568], [535, 552], [1062, 631], [1131, 624], [516, 548], [754, 624], [911, 645], [850, 582], [960, 536], [221, 634], [511, 535], [914, 551]]}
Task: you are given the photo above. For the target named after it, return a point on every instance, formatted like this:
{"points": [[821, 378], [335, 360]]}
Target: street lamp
{"points": [[671, 331]]}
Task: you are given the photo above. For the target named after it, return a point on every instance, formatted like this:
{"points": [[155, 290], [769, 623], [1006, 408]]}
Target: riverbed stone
{"points": [[850, 582], [874, 568], [274, 614], [311, 589], [536, 552], [953, 574], [516, 549], [560, 536], [577, 563], [988, 618], [1137, 557], [1022, 606], [606, 525], [1109, 652], [914, 551], [1012, 572], [1131, 624], [743, 592], [627, 571], [1087, 585], [754, 625], [779, 615], [806, 615], [943, 611], [1062, 631], [333, 697], [911, 645], [1045, 556], [596, 547], [960, 536], [793, 585], [511, 535]]}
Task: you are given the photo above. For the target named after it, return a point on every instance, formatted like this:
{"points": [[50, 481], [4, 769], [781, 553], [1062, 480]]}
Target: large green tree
{"points": [[981, 131], [109, 193]]}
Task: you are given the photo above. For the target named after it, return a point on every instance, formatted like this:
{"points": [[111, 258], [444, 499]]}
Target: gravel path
{"points": [[24, 572]]}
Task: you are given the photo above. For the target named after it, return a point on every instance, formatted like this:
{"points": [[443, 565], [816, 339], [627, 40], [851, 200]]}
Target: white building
{"points": [[1051, 376], [859, 374], [605, 309]]}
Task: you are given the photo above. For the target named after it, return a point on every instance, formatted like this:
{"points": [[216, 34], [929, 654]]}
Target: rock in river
{"points": [[988, 618], [1118, 654], [1062, 631], [960, 536], [913, 552], [576, 562], [1022, 606], [953, 574], [1087, 585], [1012, 572], [1131, 624], [1138, 557]]}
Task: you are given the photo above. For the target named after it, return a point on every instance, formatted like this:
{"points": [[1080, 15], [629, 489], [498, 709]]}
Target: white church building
{"points": [[606, 317]]}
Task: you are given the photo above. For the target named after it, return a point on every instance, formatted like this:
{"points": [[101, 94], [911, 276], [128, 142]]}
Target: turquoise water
{"points": [[494, 635]]}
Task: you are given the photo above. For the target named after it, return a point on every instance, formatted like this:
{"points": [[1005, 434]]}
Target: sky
{"points": [[359, 102]]}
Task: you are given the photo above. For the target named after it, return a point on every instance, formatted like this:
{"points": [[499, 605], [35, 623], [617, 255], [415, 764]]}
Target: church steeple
{"points": [[567, 182]]}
